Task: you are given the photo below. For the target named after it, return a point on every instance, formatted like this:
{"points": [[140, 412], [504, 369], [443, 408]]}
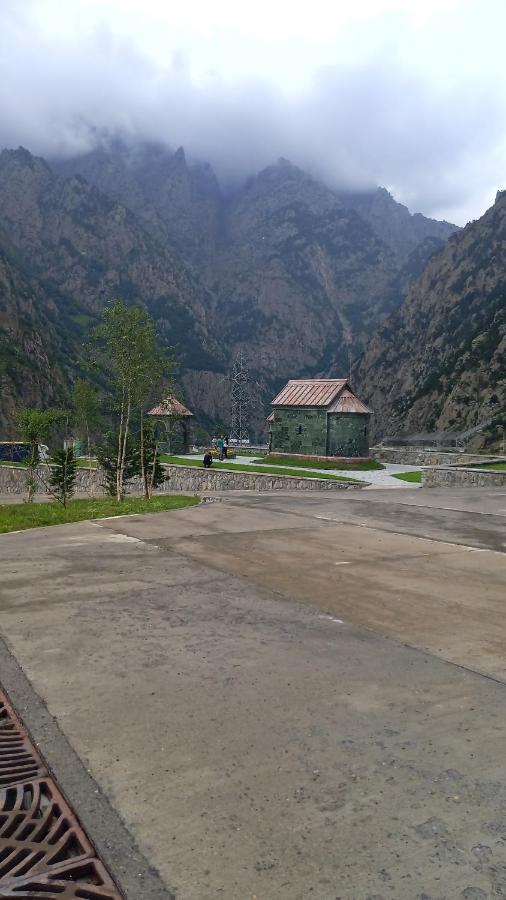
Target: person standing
{"points": [[220, 443], [225, 447]]}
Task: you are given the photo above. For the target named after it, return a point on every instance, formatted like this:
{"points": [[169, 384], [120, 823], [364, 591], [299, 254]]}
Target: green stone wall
{"points": [[348, 434], [285, 431], [305, 431]]}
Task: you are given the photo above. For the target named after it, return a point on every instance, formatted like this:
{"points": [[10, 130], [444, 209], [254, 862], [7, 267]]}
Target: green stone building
{"points": [[319, 418]]}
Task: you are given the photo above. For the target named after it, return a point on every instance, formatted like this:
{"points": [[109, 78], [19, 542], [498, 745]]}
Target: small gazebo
{"points": [[177, 420]]}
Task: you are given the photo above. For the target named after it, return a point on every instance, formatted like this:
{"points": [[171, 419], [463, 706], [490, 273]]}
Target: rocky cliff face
{"points": [[283, 267], [394, 224], [439, 362], [32, 371], [71, 249]]}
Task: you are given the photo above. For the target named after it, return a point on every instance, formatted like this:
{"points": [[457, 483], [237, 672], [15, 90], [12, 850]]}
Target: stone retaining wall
{"points": [[195, 480], [190, 479], [418, 456], [448, 476]]}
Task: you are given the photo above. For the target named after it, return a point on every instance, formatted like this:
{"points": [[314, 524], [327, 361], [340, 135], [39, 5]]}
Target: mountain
{"points": [[282, 267], [394, 224], [439, 362], [66, 250]]}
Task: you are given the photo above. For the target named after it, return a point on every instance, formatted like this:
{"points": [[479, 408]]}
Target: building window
{"points": [[365, 431], [299, 429]]}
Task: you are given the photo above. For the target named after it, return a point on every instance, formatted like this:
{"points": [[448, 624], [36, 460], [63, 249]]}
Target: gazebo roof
{"points": [[170, 407]]}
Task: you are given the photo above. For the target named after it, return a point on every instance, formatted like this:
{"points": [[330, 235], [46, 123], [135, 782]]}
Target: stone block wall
{"points": [[348, 434], [187, 479], [299, 431], [448, 476], [419, 456], [314, 432]]}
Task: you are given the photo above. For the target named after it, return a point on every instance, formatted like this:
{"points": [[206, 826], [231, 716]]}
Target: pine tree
{"points": [[107, 456], [63, 474]]}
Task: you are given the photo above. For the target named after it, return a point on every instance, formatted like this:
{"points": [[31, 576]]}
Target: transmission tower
{"points": [[241, 400]]}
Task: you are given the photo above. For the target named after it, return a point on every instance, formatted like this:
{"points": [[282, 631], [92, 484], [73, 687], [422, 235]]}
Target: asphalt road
{"points": [[274, 696]]}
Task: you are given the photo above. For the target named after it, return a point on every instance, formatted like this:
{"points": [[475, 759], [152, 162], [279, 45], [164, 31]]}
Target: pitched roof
{"points": [[346, 402], [332, 394], [170, 407], [314, 392]]}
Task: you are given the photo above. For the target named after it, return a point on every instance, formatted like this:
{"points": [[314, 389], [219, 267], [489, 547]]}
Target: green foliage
{"points": [[63, 474], [86, 409], [248, 467], [107, 456], [127, 346], [413, 477], [36, 426], [17, 517], [369, 466], [127, 349]]}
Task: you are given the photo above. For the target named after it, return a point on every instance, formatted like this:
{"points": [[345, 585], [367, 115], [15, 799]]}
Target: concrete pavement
{"points": [[277, 697]]}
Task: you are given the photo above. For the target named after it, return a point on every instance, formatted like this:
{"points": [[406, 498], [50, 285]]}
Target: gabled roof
{"points": [[170, 407], [347, 402], [314, 392], [332, 394]]}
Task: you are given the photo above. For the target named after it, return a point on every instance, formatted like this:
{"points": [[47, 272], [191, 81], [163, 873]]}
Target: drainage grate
{"points": [[44, 853], [18, 759]]}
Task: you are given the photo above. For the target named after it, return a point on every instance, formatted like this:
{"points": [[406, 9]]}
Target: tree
{"points": [[152, 472], [107, 456], [86, 406], [35, 426], [63, 474], [128, 343]]}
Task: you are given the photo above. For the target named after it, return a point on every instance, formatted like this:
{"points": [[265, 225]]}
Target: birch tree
{"points": [[86, 412], [128, 349]]}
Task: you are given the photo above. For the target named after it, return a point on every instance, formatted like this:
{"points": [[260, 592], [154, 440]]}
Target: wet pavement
{"points": [[274, 696]]}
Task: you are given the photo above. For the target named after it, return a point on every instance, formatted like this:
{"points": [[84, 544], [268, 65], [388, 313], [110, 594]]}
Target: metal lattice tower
{"points": [[241, 400]]}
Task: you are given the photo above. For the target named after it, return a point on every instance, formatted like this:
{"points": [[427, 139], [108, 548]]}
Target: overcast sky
{"points": [[409, 94]]}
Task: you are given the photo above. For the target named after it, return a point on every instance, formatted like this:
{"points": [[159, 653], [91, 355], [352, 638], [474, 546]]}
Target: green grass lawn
{"points": [[493, 467], [245, 467], [19, 516], [369, 466], [413, 477], [15, 465]]}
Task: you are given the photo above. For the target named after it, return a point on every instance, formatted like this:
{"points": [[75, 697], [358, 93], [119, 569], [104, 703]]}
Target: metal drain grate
{"points": [[18, 759], [87, 881], [44, 853]]}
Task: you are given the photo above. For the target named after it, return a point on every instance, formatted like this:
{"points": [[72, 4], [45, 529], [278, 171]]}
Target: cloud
{"points": [[373, 119]]}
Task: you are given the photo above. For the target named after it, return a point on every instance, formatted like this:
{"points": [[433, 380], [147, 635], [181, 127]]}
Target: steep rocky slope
{"points": [[301, 276], [71, 249], [32, 370], [394, 224], [439, 362], [281, 267]]}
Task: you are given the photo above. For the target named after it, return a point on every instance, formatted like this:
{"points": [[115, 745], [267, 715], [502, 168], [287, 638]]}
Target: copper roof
{"points": [[170, 407], [316, 392], [346, 402]]}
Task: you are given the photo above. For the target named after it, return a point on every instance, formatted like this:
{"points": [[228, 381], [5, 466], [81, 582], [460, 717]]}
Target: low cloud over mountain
{"points": [[363, 112]]}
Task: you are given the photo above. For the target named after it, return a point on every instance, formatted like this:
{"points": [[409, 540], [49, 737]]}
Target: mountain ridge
{"points": [[281, 268], [439, 362]]}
